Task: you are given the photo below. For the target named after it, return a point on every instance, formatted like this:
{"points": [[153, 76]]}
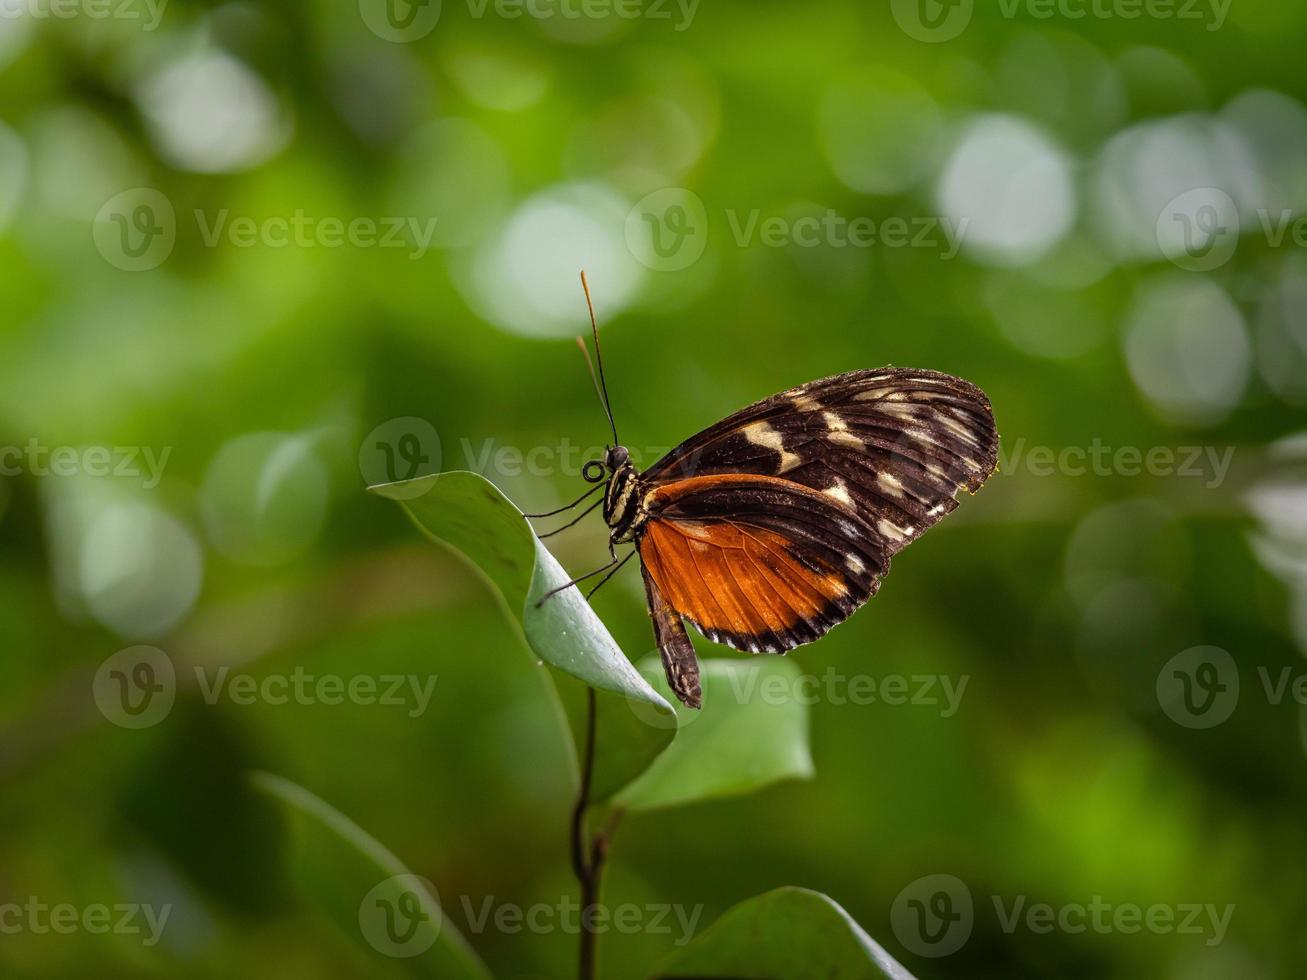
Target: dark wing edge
{"points": [[894, 445], [674, 647]]}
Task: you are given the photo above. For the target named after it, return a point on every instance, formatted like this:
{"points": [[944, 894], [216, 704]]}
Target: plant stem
{"points": [[588, 862]]}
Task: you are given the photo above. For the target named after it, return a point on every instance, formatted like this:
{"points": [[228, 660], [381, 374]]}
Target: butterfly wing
{"points": [[894, 444], [775, 524], [757, 562], [679, 661]]}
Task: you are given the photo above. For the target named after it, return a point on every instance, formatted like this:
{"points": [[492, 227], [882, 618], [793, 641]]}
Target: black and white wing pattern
{"points": [[894, 445]]}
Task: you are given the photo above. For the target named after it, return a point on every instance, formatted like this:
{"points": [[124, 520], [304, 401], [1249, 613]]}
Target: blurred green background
{"points": [[188, 277]]}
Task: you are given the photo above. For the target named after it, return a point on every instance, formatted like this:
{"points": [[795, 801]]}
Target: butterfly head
{"points": [[615, 458]]}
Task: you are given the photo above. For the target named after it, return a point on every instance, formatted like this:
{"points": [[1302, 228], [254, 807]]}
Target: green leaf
{"points": [[751, 732], [469, 514], [366, 890], [786, 934]]}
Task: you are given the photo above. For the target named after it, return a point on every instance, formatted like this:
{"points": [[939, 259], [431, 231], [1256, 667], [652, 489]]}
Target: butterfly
{"points": [[774, 525]]}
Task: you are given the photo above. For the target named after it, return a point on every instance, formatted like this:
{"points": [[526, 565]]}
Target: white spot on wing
{"points": [[890, 483], [848, 439], [890, 530], [840, 492], [854, 564], [762, 434]]}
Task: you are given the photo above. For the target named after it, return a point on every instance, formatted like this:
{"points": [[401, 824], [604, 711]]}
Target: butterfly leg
{"points": [[560, 510], [573, 521], [610, 574], [580, 578]]}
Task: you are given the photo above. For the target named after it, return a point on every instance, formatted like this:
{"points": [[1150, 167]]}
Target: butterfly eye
{"points": [[593, 472]]}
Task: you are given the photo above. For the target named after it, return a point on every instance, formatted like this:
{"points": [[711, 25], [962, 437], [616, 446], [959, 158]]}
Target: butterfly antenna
{"points": [[601, 384]]}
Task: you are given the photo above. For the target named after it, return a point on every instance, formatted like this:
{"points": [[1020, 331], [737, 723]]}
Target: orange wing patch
{"points": [[739, 585]]}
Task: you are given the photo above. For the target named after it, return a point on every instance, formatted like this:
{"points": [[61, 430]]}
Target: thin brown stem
{"points": [[587, 867]]}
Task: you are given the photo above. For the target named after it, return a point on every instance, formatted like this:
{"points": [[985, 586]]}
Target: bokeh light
{"points": [[524, 278], [1010, 186], [209, 113], [1187, 348]]}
